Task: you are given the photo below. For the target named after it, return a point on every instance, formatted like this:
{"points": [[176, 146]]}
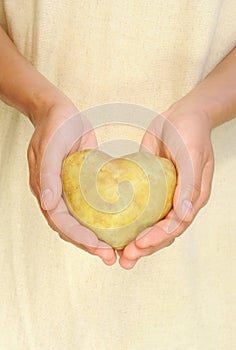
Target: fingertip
{"points": [[107, 254], [127, 264], [51, 190], [130, 256], [110, 262]]}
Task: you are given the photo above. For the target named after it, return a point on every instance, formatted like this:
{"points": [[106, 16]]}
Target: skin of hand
{"points": [[56, 127], [61, 131], [182, 134], [210, 104], [184, 138]]}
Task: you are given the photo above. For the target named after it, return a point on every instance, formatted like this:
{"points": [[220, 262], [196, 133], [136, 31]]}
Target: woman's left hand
{"points": [[181, 134]]}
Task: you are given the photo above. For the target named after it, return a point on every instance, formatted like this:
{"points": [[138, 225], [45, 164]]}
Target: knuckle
{"points": [[205, 200], [197, 189], [181, 230], [194, 188], [192, 191], [170, 241]]}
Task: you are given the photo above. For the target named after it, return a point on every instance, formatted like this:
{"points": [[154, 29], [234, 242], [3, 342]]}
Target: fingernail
{"points": [[186, 208], [46, 198]]}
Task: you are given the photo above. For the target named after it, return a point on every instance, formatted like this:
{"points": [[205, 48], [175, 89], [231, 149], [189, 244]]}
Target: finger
{"points": [[89, 140], [158, 236], [127, 264], [70, 227], [31, 164], [107, 257], [62, 221], [119, 252], [50, 181], [66, 137], [131, 254], [111, 261], [189, 169], [134, 253], [206, 185], [151, 141], [189, 160]]}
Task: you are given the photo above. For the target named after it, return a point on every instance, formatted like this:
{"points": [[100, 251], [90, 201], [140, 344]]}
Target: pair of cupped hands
{"points": [[182, 133]]}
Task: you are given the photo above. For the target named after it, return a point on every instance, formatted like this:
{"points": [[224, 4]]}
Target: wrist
{"points": [[22, 86], [216, 94], [41, 99], [26, 89], [199, 103], [40, 95]]}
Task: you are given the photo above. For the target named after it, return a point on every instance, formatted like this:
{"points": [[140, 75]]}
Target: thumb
{"points": [[51, 191], [66, 138], [149, 143], [50, 176], [152, 139], [187, 191], [188, 186]]}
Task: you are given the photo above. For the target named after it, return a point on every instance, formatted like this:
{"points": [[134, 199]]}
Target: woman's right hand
{"points": [[58, 125], [58, 132]]}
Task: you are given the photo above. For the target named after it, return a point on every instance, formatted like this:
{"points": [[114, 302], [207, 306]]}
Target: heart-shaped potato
{"points": [[117, 198]]}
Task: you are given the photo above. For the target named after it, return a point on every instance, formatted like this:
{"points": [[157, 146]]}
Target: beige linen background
{"points": [[55, 296]]}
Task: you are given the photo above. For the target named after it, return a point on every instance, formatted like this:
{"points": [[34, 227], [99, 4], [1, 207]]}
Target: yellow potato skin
{"points": [[117, 198]]}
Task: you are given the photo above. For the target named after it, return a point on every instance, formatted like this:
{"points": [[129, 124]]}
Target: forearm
{"points": [[216, 94], [21, 85]]}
